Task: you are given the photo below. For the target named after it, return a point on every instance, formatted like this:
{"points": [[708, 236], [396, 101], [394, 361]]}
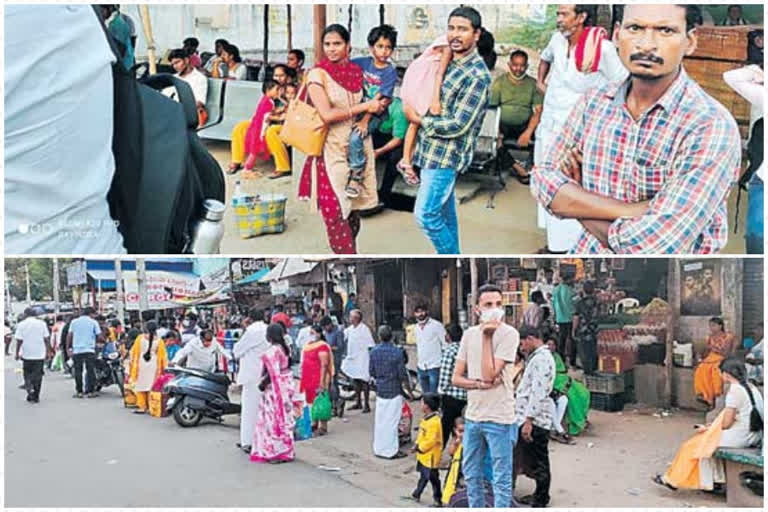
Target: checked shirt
{"points": [[448, 141], [683, 154]]}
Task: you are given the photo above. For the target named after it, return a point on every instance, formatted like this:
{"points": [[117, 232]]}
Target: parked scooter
{"points": [[109, 370], [196, 394]]}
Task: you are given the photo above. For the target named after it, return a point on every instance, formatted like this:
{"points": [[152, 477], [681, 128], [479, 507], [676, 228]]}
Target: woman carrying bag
{"points": [[335, 88]]}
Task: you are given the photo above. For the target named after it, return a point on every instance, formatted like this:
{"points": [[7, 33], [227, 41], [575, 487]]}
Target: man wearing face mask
{"points": [[520, 101], [201, 353], [430, 337], [645, 165], [189, 330], [485, 368]]}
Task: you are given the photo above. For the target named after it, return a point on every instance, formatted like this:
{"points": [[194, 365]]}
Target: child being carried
{"points": [[379, 79]]}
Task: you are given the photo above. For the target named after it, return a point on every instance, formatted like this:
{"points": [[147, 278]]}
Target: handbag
{"points": [[321, 407], [303, 128]]}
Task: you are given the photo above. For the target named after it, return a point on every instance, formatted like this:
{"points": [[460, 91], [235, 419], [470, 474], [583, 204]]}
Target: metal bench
{"points": [[240, 100], [485, 167], [738, 461], [214, 102]]}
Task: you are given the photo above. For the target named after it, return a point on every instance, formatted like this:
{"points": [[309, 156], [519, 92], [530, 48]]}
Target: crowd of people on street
{"points": [[492, 395], [638, 196]]}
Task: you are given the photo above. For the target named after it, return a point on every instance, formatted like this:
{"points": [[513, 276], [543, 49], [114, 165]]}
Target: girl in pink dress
{"points": [[424, 73], [255, 143]]}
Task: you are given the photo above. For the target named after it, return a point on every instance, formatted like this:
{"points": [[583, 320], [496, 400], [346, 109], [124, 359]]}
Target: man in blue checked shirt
{"points": [[387, 368], [446, 142]]}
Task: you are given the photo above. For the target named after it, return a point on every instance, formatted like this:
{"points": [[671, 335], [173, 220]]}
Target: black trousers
{"points": [[565, 346], [452, 409], [513, 132], [536, 455], [33, 377], [431, 475], [392, 200], [588, 345], [88, 360]]}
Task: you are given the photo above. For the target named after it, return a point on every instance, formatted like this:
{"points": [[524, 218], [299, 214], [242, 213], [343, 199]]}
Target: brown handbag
{"points": [[304, 129]]}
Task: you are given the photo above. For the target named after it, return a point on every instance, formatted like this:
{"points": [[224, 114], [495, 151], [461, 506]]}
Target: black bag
{"points": [[755, 420], [163, 173]]}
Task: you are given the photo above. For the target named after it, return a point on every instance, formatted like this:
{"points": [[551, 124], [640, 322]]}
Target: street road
{"points": [[65, 452]]}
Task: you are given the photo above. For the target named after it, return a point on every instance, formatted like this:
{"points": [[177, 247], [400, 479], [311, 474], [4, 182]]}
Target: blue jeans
{"points": [[755, 217], [435, 209], [428, 379], [499, 440], [356, 154]]}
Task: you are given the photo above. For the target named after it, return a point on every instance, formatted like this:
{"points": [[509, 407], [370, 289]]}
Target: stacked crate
{"points": [[721, 49], [606, 391]]}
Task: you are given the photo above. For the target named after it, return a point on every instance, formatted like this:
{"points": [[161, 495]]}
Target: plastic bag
{"points": [[321, 407], [406, 422], [57, 363], [303, 429]]}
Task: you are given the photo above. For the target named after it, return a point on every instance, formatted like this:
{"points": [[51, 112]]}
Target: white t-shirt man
{"points": [[430, 338], [32, 332], [565, 86], [359, 342], [58, 132], [199, 84], [303, 337]]}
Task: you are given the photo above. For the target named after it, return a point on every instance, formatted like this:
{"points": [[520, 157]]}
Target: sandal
{"points": [[660, 481], [233, 168], [279, 174], [406, 171], [524, 179]]}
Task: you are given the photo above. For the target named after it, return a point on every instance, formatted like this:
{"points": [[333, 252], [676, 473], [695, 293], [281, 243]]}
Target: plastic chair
{"points": [[214, 102], [240, 100], [625, 304]]}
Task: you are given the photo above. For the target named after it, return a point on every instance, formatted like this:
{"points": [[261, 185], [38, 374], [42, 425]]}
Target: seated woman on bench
{"points": [[735, 427]]}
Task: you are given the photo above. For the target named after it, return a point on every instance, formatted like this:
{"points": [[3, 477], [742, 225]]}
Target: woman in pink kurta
{"points": [[273, 436]]}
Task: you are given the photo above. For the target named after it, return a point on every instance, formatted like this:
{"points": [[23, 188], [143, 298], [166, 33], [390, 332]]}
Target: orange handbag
{"points": [[304, 129]]}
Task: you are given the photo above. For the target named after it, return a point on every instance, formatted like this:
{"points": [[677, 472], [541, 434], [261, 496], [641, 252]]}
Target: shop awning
{"points": [[287, 268], [254, 277]]}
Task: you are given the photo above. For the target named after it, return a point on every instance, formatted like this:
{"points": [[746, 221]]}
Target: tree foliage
{"points": [[40, 278]]}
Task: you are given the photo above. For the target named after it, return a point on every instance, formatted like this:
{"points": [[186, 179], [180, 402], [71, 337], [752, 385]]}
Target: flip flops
{"points": [[406, 171]]}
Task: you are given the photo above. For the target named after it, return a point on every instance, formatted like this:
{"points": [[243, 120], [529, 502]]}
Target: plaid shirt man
{"points": [[387, 367], [447, 363], [684, 154], [448, 141]]}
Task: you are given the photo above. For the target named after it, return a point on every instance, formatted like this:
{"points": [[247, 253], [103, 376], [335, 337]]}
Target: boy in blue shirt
{"points": [[379, 79]]}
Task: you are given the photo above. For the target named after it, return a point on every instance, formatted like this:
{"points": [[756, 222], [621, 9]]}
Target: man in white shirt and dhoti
{"points": [[577, 59], [356, 363], [248, 350]]}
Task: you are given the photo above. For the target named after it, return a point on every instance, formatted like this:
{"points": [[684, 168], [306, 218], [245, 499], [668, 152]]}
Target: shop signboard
{"points": [[244, 267], [161, 288], [76, 274]]}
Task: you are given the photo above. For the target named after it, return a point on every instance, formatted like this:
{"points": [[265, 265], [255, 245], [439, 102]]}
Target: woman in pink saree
{"points": [[273, 436]]}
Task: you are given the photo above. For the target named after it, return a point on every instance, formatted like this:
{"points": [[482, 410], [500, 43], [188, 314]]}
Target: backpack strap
{"points": [[187, 99]]}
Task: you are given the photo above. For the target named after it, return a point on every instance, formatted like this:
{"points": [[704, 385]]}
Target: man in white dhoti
{"points": [[575, 61], [387, 367], [356, 363], [248, 350]]}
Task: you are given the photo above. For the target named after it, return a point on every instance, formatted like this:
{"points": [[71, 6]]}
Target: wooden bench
{"points": [[738, 460]]}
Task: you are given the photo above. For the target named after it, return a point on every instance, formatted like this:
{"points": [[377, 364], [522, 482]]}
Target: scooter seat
{"points": [[218, 378]]}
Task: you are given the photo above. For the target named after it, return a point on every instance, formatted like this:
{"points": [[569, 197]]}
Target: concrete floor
{"points": [[94, 453], [509, 228]]}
